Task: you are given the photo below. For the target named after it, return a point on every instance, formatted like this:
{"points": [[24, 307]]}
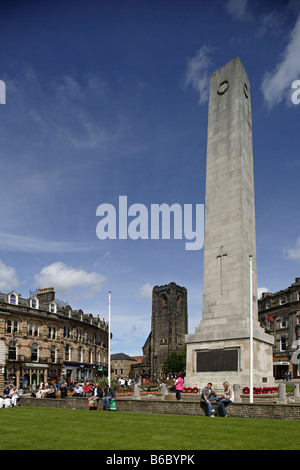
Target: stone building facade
{"points": [[169, 325], [279, 315], [120, 364], [42, 341]]}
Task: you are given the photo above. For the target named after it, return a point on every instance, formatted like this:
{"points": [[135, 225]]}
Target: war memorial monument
{"points": [[219, 349]]}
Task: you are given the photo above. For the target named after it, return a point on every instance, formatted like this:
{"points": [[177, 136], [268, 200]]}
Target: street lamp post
{"points": [[109, 373], [251, 333]]}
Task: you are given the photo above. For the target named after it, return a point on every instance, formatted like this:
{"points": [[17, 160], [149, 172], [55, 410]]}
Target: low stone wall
{"points": [[262, 409]]}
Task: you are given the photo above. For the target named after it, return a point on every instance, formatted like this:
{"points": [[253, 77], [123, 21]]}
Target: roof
{"points": [[138, 359], [122, 357]]}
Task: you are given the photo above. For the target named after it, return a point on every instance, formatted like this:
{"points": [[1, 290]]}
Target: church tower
{"points": [[169, 324]]}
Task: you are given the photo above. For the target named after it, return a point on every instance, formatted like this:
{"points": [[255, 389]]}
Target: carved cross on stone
{"points": [[221, 256]]}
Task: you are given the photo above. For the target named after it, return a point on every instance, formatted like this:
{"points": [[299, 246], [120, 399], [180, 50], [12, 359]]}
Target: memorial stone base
{"points": [[228, 360]]}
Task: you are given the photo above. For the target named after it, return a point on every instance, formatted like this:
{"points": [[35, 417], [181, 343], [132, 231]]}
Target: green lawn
{"points": [[52, 429]]}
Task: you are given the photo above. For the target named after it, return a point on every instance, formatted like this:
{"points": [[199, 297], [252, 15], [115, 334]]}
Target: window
{"points": [[79, 334], [51, 332], [282, 301], [90, 337], [283, 343], [34, 352], [13, 298], [283, 322], [53, 354], [80, 354], [67, 353], [12, 326], [53, 307], [12, 352], [67, 332], [90, 356], [33, 329], [34, 303]]}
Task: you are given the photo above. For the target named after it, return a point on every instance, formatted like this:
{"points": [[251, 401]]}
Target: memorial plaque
{"points": [[217, 360]]}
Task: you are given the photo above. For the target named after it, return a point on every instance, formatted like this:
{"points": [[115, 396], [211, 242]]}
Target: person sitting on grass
{"points": [[225, 401]]}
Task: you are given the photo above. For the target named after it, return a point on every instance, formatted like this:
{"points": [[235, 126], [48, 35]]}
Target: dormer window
{"points": [[34, 303], [13, 298], [53, 307]]}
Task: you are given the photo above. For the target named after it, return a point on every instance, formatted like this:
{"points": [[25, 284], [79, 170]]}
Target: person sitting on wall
{"points": [[226, 400], [7, 402], [97, 395], [208, 396], [78, 391], [109, 393]]}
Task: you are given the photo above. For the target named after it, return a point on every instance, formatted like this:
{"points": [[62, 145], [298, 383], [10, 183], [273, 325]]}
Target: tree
{"points": [[175, 362]]}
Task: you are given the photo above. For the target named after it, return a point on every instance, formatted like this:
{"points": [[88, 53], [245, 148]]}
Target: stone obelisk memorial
{"points": [[219, 349]]}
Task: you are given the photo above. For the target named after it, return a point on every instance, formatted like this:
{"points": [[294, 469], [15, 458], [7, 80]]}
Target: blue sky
{"points": [[110, 98]]}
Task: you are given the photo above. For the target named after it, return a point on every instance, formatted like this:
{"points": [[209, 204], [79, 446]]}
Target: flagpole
{"points": [[251, 334], [109, 296]]}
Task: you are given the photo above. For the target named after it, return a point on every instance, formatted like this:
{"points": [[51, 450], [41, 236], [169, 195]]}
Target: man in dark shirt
{"points": [[208, 395]]}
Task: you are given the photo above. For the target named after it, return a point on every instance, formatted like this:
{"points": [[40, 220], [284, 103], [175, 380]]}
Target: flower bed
{"points": [[130, 393], [190, 390], [260, 390]]}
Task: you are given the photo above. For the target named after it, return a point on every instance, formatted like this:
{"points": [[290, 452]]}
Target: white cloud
{"points": [[270, 23], [197, 73], [65, 278], [145, 292], [8, 277], [277, 84], [261, 290], [10, 242], [239, 10], [294, 253]]}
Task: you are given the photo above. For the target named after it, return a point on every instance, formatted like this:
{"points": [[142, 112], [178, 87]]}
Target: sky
{"points": [[110, 98]]}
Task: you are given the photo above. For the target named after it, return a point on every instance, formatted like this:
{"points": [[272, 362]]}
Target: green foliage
{"points": [[175, 362], [102, 381]]}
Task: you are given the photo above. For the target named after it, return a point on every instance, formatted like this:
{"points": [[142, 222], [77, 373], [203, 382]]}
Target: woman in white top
{"points": [[7, 402], [14, 398], [226, 400]]}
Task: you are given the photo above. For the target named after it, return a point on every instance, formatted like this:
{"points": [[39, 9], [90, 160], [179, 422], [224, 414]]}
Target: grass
{"points": [[32, 428]]}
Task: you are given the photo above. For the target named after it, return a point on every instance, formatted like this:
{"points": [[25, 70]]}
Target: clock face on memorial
{"points": [[223, 87]]}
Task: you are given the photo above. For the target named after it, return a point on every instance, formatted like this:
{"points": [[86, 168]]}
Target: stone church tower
{"points": [[169, 325]]}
